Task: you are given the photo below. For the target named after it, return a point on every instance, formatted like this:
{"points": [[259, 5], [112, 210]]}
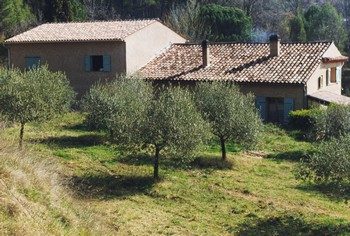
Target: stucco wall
{"points": [[277, 90], [69, 57], [146, 44], [312, 84]]}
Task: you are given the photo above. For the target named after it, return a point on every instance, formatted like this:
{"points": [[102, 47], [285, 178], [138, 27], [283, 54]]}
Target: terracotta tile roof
{"points": [[240, 62], [330, 97], [335, 59], [83, 31]]}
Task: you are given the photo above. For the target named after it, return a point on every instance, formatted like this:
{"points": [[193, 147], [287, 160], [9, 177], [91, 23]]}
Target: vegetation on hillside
{"points": [[73, 181]]}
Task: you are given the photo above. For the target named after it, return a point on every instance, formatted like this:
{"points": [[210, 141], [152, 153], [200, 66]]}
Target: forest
{"points": [[217, 20]]}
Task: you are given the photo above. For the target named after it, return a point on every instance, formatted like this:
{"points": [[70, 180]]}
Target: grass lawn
{"points": [[82, 185]]}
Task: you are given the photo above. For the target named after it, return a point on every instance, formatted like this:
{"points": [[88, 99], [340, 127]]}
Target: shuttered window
{"points": [[97, 63], [261, 106], [288, 107], [333, 75], [338, 75], [327, 77], [32, 62]]}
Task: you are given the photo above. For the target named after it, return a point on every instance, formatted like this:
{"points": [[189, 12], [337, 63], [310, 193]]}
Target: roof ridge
{"points": [[100, 21], [252, 43]]}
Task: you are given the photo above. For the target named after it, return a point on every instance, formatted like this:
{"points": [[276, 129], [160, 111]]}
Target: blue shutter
{"points": [[339, 75], [32, 62], [261, 105], [107, 63], [87, 63], [288, 107]]}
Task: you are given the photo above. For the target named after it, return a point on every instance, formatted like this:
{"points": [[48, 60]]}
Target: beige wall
{"points": [[146, 44], [69, 57], [312, 84], [277, 90]]}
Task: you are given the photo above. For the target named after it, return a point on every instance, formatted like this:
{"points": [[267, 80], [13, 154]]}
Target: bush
{"points": [[332, 122], [329, 164], [304, 119]]}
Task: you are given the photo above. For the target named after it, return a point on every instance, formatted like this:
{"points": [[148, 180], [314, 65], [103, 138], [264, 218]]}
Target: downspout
{"points": [[8, 56]]}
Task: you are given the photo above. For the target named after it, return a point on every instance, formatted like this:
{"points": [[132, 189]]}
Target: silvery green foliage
{"points": [[330, 122], [34, 95], [173, 122], [330, 162], [231, 114], [119, 107]]}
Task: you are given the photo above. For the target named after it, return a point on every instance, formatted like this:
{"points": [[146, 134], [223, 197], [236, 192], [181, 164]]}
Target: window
{"points": [[98, 63], [333, 75], [32, 62], [327, 77], [320, 82]]}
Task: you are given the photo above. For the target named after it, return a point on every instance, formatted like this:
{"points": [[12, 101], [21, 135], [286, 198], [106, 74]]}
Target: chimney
{"points": [[205, 53], [275, 45]]}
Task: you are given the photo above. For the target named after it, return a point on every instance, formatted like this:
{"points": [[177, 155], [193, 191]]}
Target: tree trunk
{"points": [[21, 132], [156, 164], [223, 149]]}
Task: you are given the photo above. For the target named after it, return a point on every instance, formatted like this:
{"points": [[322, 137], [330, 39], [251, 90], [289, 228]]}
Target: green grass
{"points": [[254, 193]]}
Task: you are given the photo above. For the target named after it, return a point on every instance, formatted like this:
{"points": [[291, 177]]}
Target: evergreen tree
{"points": [[15, 16], [297, 29], [226, 23]]}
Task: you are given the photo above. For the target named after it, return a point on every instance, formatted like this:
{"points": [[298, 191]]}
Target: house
{"points": [[283, 76], [91, 51]]}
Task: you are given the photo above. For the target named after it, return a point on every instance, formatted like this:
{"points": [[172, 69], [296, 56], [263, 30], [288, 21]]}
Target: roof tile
{"points": [[81, 31], [240, 62]]}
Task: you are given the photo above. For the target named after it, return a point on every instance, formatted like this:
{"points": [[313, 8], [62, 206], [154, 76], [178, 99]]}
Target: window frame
{"points": [[33, 65]]}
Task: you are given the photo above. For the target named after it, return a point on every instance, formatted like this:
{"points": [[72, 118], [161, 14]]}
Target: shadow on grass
{"points": [[332, 191], [110, 186], [88, 140], [290, 225], [205, 162], [289, 156]]}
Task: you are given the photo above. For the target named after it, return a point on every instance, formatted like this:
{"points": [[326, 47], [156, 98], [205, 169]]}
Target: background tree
{"points": [[173, 123], [15, 16], [34, 95], [225, 23], [231, 114], [297, 28], [185, 20], [323, 22]]}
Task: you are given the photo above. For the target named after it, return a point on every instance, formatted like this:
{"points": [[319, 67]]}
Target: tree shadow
{"points": [[106, 186], [201, 163], [331, 190], [289, 225], [289, 156], [88, 140]]}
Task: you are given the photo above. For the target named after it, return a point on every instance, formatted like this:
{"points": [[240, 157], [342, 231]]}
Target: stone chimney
{"points": [[275, 45], [205, 53]]}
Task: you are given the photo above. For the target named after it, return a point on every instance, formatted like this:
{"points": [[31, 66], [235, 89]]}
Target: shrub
{"points": [[304, 119], [332, 122], [231, 114], [34, 95], [329, 164]]}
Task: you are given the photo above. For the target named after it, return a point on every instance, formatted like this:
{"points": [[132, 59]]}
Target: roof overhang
{"points": [[329, 97], [338, 59]]}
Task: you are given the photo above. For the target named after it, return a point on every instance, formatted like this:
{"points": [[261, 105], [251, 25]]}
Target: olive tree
{"points": [[34, 95], [173, 123], [329, 164], [119, 107], [231, 114]]}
